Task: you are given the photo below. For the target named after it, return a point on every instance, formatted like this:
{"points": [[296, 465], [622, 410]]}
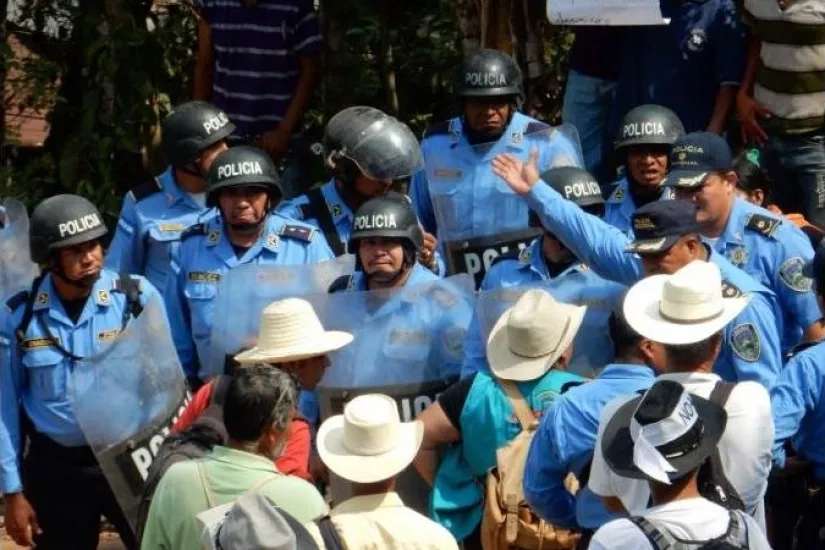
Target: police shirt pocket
{"points": [[46, 373], [408, 345], [451, 208], [201, 298]]}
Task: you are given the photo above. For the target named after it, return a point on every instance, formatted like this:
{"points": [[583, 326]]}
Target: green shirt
{"points": [[180, 496]]}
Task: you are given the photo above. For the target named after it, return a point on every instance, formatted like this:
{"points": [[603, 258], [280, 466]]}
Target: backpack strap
{"points": [[659, 538], [329, 534], [210, 496], [737, 533], [318, 206], [721, 392], [523, 412], [28, 313]]}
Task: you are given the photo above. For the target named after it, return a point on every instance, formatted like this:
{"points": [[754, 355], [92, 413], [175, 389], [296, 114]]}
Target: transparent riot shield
{"points": [[17, 271], [479, 217], [126, 398], [408, 344], [245, 291]]}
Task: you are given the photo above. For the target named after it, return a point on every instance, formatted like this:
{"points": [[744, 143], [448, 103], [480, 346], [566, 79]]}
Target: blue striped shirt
{"points": [[256, 51]]}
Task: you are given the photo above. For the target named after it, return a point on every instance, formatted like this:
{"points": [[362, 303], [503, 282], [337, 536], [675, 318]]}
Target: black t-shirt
{"points": [[454, 398], [74, 308], [240, 250]]}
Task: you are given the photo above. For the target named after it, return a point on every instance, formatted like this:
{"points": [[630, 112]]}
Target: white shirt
{"points": [[745, 447], [693, 519]]}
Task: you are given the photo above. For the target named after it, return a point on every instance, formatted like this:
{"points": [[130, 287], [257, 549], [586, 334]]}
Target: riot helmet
{"points": [[390, 217], [578, 186], [243, 166], [370, 141], [190, 128], [649, 125], [61, 221], [489, 73]]}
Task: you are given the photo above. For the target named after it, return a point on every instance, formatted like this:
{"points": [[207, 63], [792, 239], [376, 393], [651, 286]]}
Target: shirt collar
{"points": [[243, 459], [626, 370], [101, 292], [733, 229], [690, 377], [368, 503], [620, 193]]}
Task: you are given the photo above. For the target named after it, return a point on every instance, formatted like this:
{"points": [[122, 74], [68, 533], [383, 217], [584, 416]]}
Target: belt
{"points": [[44, 447]]}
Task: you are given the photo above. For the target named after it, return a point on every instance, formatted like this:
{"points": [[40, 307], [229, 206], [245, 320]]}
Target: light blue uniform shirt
{"points": [[565, 442], [36, 374], [619, 206], [799, 409], [206, 253], [342, 215], [592, 348], [148, 231], [751, 349]]}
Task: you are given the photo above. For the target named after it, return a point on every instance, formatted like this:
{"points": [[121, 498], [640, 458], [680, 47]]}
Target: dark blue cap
{"points": [[658, 225], [696, 155]]}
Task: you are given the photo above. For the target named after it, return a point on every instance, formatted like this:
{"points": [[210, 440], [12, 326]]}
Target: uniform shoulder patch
{"points": [[438, 129], [766, 225], [730, 290], [17, 300], [536, 126], [340, 284], [509, 255], [191, 231], [744, 340], [146, 190], [298, 232], [792, 275]]}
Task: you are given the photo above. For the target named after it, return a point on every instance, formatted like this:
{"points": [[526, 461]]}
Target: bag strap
{"points": [[329, 534], [210, 496], [721, 392], [523, 412], [325, 222], [658, 538]]}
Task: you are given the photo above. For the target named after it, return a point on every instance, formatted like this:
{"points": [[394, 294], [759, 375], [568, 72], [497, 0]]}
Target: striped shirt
{"points": [[256, 51], [791, 77]]}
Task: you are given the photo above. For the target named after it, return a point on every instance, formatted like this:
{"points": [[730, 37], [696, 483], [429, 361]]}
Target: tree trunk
{"points": [[468, 24], [335, 16], [496, 30]]}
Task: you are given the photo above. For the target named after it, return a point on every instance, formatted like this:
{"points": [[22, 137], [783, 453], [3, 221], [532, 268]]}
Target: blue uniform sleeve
{"points": [[319, 250], [754, 343], [11, 386], [795, 295], [545, 471], [126, 251], [177, 310], [291, 209], [796, 394], [729, 36], [593, 241], [421, 203]]}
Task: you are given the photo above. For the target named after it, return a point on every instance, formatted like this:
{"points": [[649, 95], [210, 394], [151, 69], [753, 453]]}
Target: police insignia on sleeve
{"points": [[739, 256], [745, 342], [791, 274]]}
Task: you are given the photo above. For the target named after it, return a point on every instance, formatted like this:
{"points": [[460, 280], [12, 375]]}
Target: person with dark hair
{"points": [[259, 406], [686, 313], [566, 438]]}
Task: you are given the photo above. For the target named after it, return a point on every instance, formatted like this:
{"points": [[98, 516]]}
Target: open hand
{"points": [[520, 176]]}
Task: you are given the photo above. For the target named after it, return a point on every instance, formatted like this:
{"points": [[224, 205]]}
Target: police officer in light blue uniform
{"points": [[667, 238], [646, 135], [366, 152], [457, 197], [765, 246], [549, 265], [155, 213], [244, 186], [72, 310]]}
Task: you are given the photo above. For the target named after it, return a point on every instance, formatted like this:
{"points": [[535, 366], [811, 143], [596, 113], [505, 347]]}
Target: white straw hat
{"points": [[682, 308], [291, 331], [369, 443], [529, 338]]}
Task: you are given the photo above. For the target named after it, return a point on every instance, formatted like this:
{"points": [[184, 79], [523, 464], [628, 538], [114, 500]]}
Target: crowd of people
{"points": [[507, 335]]}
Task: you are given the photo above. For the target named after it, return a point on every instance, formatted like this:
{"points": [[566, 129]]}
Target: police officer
{"points": [[243, 185], [155, 213], [645, 138], [55, 496], [667, 238], [762, 244], [366, 152], [458, 198], [547, 263]]}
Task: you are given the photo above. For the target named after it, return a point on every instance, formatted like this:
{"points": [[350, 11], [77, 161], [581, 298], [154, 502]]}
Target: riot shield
{"points": [[17, 271], [479, 217], [408, 344], [245, 291], [126, 398]]}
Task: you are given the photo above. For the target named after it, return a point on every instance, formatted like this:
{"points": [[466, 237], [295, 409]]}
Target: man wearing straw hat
{"points": [[369, 446], [686, 313]]}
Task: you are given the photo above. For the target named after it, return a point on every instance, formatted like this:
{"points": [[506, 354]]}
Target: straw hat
{"points": [[290, 331]]}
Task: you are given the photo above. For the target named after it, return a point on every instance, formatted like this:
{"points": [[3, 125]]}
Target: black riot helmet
{"points": [[489, 73], [190, 128], [576, 185], [370, 141], [61, 221], [389, 217], [240, 167], [649, 125]]}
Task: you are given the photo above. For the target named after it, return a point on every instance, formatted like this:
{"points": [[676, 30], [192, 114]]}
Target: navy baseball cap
{"points": [[696, 155], [660, 224]]}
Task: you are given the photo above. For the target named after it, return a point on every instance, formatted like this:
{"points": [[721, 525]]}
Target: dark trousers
{"points": [[69, 493]]}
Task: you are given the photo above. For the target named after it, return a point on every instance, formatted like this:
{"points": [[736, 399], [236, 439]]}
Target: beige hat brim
{"points": [[367, 469], [641, 309], [508, 366], [330, 341]]}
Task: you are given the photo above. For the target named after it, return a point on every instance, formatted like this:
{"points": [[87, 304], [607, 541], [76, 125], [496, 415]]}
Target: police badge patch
{"points": [[745, 342], [739, 256], [791, 274]]}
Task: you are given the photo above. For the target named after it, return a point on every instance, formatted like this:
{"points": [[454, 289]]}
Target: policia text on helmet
{"points": [[367, 152], [193, 135], [386, 239], [646, 136], [244, 185], [490, 90]]}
